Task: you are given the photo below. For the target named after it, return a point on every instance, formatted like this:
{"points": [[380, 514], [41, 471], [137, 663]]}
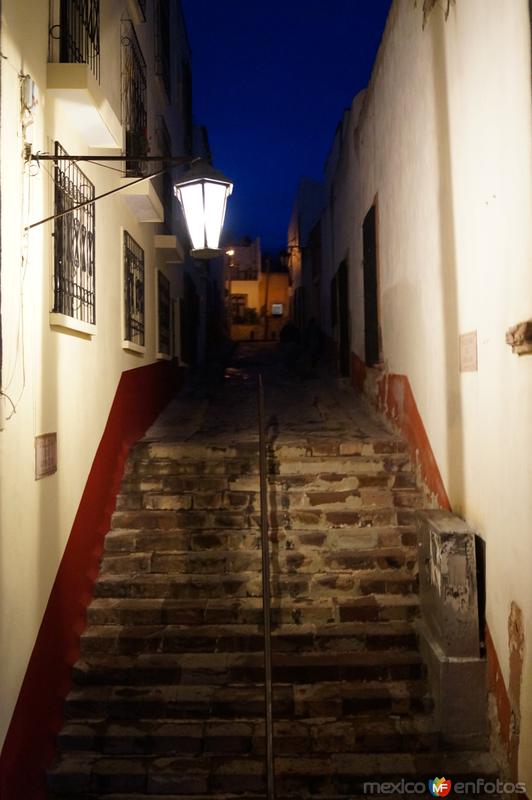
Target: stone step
{"points": [[210, 669], [234, 467], [178, 539], [197, 701], [312, 735], [249, 584], [183, 484], [149, 611], [335, 774], [243, 638], [280, 795], [219, 562], [170, 518], [325, 500], [302, 447]]}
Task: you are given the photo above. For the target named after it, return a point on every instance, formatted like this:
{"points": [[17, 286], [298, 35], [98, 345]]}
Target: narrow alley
{"points": [[168, 696], [314, 214]]}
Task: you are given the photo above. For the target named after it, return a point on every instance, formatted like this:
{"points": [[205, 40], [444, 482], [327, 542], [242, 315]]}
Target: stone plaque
{"points": [[45, 455], [468, 352]]}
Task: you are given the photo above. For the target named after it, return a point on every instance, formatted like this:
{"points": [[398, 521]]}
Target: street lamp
{"points": [[203, 194]]}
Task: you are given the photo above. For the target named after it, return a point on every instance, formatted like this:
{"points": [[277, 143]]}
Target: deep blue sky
{"points": [[271, 81]]}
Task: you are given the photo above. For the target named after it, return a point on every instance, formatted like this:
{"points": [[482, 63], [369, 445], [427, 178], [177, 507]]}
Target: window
{"points": [[133, 291], [163, 306], [239, 304], [74, 262], [162, 44], [75, 33], [134, 115]]}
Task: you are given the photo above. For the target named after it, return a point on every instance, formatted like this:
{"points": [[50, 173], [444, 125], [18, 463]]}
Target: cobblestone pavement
{"points": [[223, 403]]}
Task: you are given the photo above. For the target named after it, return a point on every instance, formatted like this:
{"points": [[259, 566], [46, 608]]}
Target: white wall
{"points": [[443, 142], [58, 380]]}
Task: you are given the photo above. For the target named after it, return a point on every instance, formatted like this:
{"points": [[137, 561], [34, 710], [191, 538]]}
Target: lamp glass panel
{"points": [[191, 196], [215, 199]]}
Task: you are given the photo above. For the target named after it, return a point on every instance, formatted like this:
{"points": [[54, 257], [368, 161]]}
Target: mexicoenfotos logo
{"points": [[440, 787]]}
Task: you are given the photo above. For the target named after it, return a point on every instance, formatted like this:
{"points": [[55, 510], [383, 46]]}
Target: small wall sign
{"points": [[468, 352], [45, 455]]}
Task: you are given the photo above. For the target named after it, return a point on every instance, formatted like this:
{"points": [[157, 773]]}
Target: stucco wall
{"points": [[58, 381], [442, 144]]}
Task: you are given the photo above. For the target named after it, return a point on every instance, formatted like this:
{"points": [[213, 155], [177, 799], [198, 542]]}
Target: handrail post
{"points": [[266, 604]]}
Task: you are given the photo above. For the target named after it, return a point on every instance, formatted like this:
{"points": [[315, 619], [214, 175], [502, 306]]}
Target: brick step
{"points": [[249, 584], [303, 794], [302, 447], [315, 734], [294, 465], [325, 500], [232, 668], [242, 638], [250, 482], [149, 611], [167, 518], [339, 773], [337, 539], [243, 701], [219, 562]]}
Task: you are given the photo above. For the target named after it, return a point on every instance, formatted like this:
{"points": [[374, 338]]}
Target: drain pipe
{"points": [[266, 600]]}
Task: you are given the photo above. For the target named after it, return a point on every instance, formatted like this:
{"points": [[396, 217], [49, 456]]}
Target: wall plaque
{"points": [[468, 352]]}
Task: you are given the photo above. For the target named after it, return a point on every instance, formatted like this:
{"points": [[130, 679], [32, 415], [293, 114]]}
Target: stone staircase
{"points": [[168, 699]]}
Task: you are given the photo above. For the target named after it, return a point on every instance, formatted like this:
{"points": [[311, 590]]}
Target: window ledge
{"points": [[63, 322], [163, 357], [82, 100], [133, 347]]}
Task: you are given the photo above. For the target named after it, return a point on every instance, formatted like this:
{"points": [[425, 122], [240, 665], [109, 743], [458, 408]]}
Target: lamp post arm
{"points": [[111, 191]]}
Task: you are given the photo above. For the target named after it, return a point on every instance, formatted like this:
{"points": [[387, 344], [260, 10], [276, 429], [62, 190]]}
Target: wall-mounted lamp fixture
{"points": [[203, 194]]}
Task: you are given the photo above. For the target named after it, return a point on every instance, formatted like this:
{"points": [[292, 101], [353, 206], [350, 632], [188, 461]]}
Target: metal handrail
{"points": [[266, 600]]}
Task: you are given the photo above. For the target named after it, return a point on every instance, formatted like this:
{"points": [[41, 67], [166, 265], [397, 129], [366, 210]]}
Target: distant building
{"points": [[304, 252], [257, 293]]}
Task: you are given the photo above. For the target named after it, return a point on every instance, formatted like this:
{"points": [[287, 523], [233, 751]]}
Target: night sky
{"points": [[271, 81]]}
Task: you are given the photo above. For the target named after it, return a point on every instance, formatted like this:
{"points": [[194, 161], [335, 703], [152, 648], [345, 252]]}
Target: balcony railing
{"points": [[74, 36], [134, 114]]}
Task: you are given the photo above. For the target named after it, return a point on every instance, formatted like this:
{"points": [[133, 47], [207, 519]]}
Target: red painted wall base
{"points": [[393, 396], [31, 739]]}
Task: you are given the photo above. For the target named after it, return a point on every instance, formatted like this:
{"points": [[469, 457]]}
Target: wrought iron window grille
{"points": [[133, 290], [74, 242], [134, 113], [163, 304], [74, 33]]}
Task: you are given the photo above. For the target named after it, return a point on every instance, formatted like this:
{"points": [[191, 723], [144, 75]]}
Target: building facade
{"points": [[426, 290], [304, 252], [257, 293], [97, 315]]}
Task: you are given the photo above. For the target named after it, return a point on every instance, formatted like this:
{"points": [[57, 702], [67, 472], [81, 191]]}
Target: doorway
{"points": [[371, 298], [340, 317]]}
